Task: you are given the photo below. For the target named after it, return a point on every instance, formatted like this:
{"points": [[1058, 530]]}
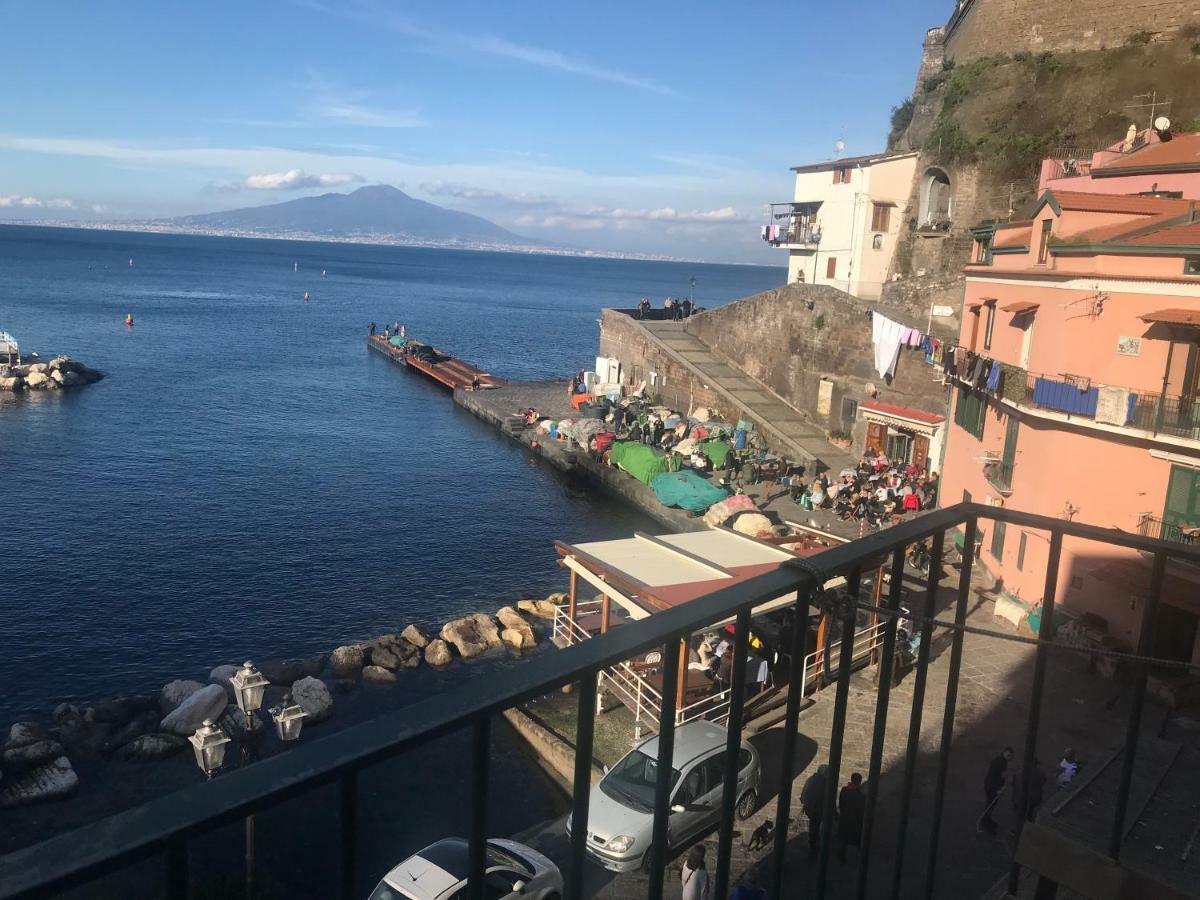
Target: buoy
{"points": [[306, 296], [131, 262], [295, 267], [128, 318]]}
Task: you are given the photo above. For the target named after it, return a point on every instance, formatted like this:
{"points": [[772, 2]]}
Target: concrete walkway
{"points": [[785, 427]]}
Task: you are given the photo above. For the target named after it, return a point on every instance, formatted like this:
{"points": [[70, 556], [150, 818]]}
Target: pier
{"points": [[443, 368]]}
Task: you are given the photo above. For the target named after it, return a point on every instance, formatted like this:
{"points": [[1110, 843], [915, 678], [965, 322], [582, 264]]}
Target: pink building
{"points": [[1145, 163], [1078, 395]]}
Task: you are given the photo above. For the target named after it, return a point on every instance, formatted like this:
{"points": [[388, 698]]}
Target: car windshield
{"points": [[632, 780], [386, 892], [498, 856]]}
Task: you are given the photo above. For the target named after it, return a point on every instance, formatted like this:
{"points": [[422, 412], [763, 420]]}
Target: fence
{"points": [[165, 826]]}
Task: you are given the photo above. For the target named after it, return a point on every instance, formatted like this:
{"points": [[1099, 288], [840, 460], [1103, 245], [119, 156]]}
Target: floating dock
{"points": [[452, 373]]}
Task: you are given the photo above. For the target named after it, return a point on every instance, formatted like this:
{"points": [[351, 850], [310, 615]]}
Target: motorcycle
{"points": [[918, 556]]}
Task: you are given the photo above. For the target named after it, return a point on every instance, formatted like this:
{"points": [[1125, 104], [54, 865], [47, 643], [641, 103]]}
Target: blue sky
{"points": [[649, 127]]}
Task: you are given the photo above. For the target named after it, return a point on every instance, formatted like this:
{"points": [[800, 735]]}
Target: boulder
{"points": [[37, 380], [233, 721], [91, 376], [315, 665], [52, 781], [69, 379], [437, 653], [513, 621], [69, 723], [121, 710], [12, 383], [60, 362], [221, 675], [518, 640], [38, 369], [174, 693], [26, 733], [558, 598], [17, 758], [415, 635], [472, 635], [378, 675], [393, 652], [543, 609], [347, 662], [311, 695], [282, 671], [56, 375], [143, 724], [206, 703], [152, 746]]}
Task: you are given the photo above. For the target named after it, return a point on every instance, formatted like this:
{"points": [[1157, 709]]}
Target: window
{"points": [[968, 412], [849, 410], [877, 242], [998, 529], [983, 251], [1044, 242], [974, 327], [1182, 508], [841, 175], [1026, 340], [899, 446], [1021, 552], [1191, 266], [881, 217], [831, 267], [991, 324]]}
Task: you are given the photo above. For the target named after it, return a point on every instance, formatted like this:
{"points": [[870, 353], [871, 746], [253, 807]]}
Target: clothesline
{"points": [[890, 336]]}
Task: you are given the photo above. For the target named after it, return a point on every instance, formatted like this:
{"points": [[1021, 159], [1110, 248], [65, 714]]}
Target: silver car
{"points": [[621, 808]]}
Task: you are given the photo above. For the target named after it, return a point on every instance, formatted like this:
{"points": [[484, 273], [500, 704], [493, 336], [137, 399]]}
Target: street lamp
{"points": [[288, 720], [248, 687], [692, 289], [209, 745]]}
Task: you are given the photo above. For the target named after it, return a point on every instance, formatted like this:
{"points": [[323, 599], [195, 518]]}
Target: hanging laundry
{"points": [[993, 380], [886, 336], [915, 337]]}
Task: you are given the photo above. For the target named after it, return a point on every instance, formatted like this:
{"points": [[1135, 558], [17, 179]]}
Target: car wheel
{"points": [[747, 805], [553, 896]]}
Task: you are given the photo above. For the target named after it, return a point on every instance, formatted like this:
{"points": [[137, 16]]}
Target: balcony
{"points": [[792, 225], [920, 853], [999, 475], [1154, 527]]}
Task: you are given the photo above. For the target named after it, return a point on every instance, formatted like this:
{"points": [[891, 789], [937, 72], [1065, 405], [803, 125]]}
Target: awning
{"points": [[1174, 317], [1021, 306], [905, 417]]}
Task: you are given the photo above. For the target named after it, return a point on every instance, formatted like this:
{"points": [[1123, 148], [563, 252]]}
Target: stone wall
{"points": [[984, 27], [676, 384], [790, 338]]}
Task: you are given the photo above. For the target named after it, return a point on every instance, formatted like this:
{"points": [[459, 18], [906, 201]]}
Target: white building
{"points": [[844, 221]]}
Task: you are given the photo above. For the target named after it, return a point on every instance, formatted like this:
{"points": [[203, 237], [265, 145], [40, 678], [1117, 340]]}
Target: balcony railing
{"points": [[166, 826], [803, 235], [1154, 527], [999, 474], [1069, 168]]}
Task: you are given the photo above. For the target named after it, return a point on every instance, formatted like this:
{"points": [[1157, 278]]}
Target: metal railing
{"points": [[807, 235], [1154, 527], [999, 474], [1071, 167], [164, 827]]}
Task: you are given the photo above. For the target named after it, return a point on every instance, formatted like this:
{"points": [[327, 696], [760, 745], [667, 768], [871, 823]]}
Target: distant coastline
{"points": [[153, 227]]}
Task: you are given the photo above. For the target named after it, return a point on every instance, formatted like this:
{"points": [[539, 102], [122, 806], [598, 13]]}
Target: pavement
{"points": [[1079, 710]]}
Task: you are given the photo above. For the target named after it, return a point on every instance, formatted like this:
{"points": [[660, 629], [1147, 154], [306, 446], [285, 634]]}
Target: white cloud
{"points": [[594, 217], [357, 114], [295, 179], [467, 192], [16, 201]]}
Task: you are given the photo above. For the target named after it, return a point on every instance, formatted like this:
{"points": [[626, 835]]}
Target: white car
{"points": [[439, 872], [621, 808]]}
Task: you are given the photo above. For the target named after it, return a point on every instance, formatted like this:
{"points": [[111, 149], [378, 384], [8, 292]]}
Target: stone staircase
{"points": [[785, 427]]}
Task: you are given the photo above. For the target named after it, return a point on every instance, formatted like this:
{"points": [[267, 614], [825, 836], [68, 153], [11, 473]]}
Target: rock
{"points": [[378, 675], [282, 671], [120, 710], [17, 758], [37, 380], [69, 723], [56, 375], [471, 635], [174, 693], [146, 722], [233, 721], [393, 652], [415, 635], [311, 695], [514, 622], [152, 746], [52, 781], [12, 383], [314, 666], [59, 362], [221, 675], [557, 599], [26, 733], [347, 662], [69, 379], [38, 369], [516, 639], [437, 653], [543, 609], [91, 376], [206, 703]]}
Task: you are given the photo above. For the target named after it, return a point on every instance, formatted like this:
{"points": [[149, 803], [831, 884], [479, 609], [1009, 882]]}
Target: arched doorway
{"points": [[937, 201]]}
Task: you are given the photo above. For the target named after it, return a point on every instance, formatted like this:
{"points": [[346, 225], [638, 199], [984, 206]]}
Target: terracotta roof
{"points": [[1081, 201], [902, 412], [1173, 316], [1014, 235], [1113, 233], [1181, 153], [1182, 235], [1021, 306], [847, 161]]}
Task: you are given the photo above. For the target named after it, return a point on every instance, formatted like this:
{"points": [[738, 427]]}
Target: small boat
{"points": [[131, 262], [306, 296], [322, 273], [295, 267], [129, 319]]}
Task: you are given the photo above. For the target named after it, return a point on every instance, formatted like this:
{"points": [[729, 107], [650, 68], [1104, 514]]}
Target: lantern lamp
{"points": [[209, 745], [248, 687], [288, 721]]}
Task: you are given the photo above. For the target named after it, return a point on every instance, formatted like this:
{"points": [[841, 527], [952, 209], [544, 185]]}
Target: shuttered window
{"points": [[968, 412], [1183, 497], [1021, 552], [831, 267], [881, 217], [998, 540]]}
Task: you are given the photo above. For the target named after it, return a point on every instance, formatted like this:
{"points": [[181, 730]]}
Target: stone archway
{"points": [[936, 200]]}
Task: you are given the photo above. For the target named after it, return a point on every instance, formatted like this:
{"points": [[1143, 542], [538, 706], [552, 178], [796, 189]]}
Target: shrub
{"points": [[1190, 31], [819, 321], [1195, 49], [1022, 56], [932, 82], [949, 143], [1139, 38], [901, 118]]}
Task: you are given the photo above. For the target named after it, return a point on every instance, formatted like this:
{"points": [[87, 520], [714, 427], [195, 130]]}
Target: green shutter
{"points": [[1010, 441], [969, 411], [1021, 552], [1183, 497], [998, 540]]}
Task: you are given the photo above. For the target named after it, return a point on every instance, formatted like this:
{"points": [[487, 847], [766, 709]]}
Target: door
{"points": [[696, 794], [920, 453], [898, 447], [876, 437], [1183, 501], [1175, 633], [831, 267]]}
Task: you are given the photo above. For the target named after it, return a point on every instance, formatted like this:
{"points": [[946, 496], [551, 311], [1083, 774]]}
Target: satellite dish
{"points": [[1162, 124], [839, 147]]}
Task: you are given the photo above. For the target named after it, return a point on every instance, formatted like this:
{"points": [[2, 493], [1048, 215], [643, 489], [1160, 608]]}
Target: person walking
{"points": [[696, 884], [993, 784], [812, 801], [852, 809]]}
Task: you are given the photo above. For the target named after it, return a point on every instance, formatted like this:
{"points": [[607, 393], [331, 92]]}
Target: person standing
{"points": [[812, 801], [852, 809], [993, 783], [696, 884]]}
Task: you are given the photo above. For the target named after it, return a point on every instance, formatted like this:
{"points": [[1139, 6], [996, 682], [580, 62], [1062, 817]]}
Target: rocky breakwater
{"points": [[35, 761], [60, 373]]}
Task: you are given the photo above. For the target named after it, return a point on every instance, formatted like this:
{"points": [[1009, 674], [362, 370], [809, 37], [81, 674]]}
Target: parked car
{"points": [[439, 872], [621, 808]]}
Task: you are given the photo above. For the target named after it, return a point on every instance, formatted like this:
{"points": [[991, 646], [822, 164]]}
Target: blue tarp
{"points": [[687, 490], [1068, 398]]}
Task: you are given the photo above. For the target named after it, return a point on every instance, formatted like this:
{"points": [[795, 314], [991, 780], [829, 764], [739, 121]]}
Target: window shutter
{"points": [[876, 436], [831, 267], [1183, 497], [920, 454]]}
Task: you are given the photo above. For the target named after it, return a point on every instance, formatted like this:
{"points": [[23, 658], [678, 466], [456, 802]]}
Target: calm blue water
{"points": [[249, 480]]}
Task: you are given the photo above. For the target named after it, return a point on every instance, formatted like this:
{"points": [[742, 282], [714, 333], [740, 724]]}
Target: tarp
{"points": [[640, 461], [719, 513], [753, 524], [687, 490], [716, 451], [398, 341], [583, 430]]}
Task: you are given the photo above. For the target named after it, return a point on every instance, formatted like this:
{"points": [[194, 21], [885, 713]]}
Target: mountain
{"points": [[378, 209]]}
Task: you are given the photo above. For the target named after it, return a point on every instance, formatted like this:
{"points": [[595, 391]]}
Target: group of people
{"points": [[388, 330], [877, 490], [996, 781], [850, 812], [676, 309]]}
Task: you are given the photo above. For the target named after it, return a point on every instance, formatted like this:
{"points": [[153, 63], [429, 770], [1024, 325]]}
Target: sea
{"points": [[249, 481]]}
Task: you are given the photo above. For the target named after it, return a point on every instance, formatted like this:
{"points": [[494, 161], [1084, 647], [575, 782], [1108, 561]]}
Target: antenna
{"points": [[1151, 102]]}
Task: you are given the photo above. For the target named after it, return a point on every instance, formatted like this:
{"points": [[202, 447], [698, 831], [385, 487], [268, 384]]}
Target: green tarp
{"points": [[398, 341], [715, 451], [687, 490], [640, 461]]}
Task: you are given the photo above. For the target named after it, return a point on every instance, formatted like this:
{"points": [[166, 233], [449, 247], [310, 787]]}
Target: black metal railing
{"points": [[165, 826], [797, 234], [1154, 527]]}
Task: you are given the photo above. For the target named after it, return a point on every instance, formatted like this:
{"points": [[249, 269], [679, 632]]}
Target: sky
{"points": [[648, 127]]}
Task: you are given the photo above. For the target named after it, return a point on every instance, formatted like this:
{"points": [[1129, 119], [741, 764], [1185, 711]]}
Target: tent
{"points": [[716, 451], [640, 461], [687, 490]]}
